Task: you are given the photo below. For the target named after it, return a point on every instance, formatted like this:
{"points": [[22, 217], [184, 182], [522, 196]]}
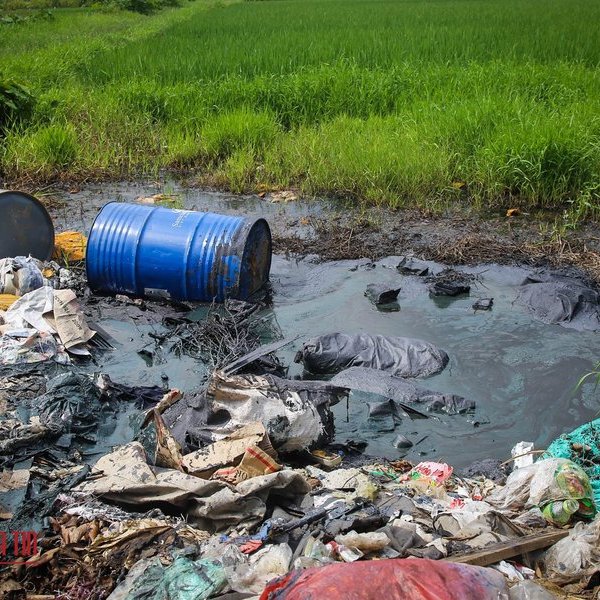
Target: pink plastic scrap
{"points": [[433, 471]]}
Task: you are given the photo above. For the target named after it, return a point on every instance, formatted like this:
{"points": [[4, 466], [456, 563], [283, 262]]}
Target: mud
{"points": [[334, 230], [521, 373]]}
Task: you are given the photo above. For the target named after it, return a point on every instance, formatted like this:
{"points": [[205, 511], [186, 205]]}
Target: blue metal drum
{"points": [[135, 249]]}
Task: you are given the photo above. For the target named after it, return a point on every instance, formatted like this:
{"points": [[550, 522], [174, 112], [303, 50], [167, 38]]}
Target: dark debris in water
{"points": [[225, 334]]}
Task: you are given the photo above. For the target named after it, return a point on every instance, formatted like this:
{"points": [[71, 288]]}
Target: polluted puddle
{"points": [[168, 454], [521, 373]]}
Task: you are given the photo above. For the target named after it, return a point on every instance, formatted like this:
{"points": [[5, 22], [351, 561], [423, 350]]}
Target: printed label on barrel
{"points": [[182, 215]]}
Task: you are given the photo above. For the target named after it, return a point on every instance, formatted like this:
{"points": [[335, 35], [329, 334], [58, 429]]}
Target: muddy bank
{"points": [[335, 230], [178, 450], [513, 366]]}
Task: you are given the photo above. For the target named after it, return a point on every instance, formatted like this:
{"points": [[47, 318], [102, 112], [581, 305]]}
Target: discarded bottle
{"points": [[560, 511], [135, 249]]}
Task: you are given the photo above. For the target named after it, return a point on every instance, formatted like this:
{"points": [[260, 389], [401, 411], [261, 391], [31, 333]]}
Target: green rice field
{"points": [[400, 102]]}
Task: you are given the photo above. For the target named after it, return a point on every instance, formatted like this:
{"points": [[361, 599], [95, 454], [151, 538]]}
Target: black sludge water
{"points": [[521, 373]]}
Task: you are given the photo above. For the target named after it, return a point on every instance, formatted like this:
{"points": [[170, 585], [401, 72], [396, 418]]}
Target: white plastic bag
{"points": [[20, 275], [251, 574], [528, 590], [521, 452], [570, 558]]}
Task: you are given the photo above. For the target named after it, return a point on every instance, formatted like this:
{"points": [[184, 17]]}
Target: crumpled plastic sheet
{"points": [[398, 389], [403, 357], [129, 481], [549, 480], [183, 579], [397, 579], [529, 590], [296, 414], [29, 309], [252, 573], [563, 301], [577, 554], [477, 524], [28, 347], [70, 404], [20, 275]]}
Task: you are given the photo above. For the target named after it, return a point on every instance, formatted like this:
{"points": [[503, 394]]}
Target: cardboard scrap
{"points": [[168, 451], [13, 480], [68, 320], [126, 478], [228, 451], [256, 462], [170, 398]]}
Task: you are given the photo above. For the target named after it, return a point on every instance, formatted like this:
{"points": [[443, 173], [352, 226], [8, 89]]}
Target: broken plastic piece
{"points": [[402, 441]]}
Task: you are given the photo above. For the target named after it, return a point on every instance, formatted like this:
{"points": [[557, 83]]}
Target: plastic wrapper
{"points": [[392, 579], [428, 477], [571, 558]]}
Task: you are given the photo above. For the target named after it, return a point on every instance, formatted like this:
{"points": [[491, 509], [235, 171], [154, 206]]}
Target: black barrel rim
{"points": [[254, 271], [43, 212]]}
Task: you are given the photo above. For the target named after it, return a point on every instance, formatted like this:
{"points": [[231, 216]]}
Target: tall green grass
{"points": [[391, 101]]}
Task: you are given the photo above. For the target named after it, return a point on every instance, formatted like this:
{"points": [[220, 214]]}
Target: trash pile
{"points": [[239, 489]]}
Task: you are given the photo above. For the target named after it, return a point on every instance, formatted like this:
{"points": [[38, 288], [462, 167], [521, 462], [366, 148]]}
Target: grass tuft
{"points": [[386, 101]]}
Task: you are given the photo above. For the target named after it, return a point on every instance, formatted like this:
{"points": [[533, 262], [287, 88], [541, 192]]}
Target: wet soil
{"points": [[335, 230], [521, 373]]}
